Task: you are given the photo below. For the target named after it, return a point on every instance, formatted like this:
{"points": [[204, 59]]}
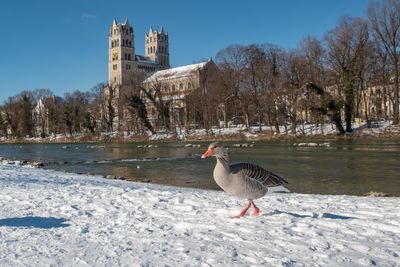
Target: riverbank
{"points": [[382, 129], [59, 219]]}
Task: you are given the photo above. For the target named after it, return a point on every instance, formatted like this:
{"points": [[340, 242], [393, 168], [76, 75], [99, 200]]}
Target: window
{"points": [[114, 66], [129, 56], [114, 56], [128, 66], [173, 88], [189, 86], [180, 86]]}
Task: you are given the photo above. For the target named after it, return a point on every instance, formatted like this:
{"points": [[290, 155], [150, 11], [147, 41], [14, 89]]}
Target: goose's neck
{"points": [[223, 160]]}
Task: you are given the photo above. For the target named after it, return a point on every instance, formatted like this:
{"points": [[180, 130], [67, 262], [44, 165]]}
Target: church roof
{"points": [[178, 72]]}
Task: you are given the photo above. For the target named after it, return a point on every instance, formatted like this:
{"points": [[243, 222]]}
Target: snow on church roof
{"points": [[175, 73]]}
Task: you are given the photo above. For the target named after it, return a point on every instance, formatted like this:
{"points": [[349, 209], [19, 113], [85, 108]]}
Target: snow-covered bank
{"points": [[53, 218], [379, 129]]}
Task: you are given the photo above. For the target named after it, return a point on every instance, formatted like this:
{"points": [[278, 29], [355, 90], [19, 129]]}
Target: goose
{"points": [[242, 180]]}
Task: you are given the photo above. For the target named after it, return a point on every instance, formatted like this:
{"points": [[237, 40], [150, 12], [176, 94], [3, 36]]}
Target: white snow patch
{"points": [[49, 218]]}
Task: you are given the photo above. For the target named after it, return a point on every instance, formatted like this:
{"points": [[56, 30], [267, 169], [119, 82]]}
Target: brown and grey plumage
{"points": [[243, 180]]}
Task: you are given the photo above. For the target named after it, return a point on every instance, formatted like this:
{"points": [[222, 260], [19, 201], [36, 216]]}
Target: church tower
{"points": [[157, 47], [121, 53]]}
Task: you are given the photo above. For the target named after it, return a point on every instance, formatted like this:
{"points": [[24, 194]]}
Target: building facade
{"points": [[174, 87]]}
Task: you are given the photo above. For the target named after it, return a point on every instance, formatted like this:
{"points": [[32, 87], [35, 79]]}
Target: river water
{"points": [[352, 167]]}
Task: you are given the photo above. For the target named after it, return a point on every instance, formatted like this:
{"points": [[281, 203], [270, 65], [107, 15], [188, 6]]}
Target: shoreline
{"points": [[204, 138]]}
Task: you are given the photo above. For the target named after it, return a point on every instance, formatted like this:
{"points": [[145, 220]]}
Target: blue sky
{"points": [[63, 45]]}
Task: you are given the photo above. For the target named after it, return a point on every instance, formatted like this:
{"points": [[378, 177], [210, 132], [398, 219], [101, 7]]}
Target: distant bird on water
{"points": [[242, 180]]}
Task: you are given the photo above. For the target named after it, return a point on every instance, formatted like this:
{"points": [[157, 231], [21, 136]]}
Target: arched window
{"points": [[173, 88], [180, 86], [129, 56], [148, 50]]}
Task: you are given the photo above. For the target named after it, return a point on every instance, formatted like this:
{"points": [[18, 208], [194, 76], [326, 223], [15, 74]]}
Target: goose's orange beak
{"points": [[207, 154]]}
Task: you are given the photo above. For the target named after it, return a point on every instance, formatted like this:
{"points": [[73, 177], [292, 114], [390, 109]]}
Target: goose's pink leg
{"points": [[243, 212], [256, 211]]}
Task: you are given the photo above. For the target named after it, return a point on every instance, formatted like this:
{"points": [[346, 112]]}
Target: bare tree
{"points": [[232, 63], [109, 107], [137, 104], [74, 109], [274, 99], [41, 93], [323, 103], [97, 106], [346, 48], [314, 54], [294, 78], [153, 91]]}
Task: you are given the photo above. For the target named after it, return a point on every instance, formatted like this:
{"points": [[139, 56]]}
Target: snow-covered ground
{"points": [[359, 127], [50, 218]]}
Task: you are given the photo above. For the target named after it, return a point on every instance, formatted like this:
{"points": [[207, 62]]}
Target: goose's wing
{"points": [[257, 174]]}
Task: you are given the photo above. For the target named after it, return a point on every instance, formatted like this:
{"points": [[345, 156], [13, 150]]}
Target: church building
{"points": [[125, 66]]}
